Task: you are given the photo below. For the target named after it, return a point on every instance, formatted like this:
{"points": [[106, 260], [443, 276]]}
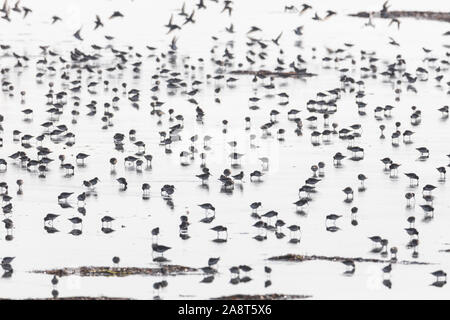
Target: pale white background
{"points": [[381, 208]]}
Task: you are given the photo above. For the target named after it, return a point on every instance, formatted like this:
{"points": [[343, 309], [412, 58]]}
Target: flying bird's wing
{"points": [[78, 35]]}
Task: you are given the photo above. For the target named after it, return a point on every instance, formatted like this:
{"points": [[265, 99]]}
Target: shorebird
{"points": [[428, 189], [348, 191], [362, 178], [145, 189], [337, 158], [54, 281], [207, 207], [77, 35], [107, 220], [123, 182], [256, 174], [50, 217], [424, 152], [393, 169], [333, 217], [387, 270], [301, 203], [116, 261], [413, 177], [410, 197], [275, 41], [442, 171], [213, 261], [254, 206], [63, 196], [204, 176], [75, 221], [219, 229], [350, 264], [440, 274], [82, 157], [159, 249], [294, 229]]}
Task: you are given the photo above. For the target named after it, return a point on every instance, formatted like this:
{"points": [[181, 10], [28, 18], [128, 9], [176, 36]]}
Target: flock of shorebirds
{"points": [[64, 78]]}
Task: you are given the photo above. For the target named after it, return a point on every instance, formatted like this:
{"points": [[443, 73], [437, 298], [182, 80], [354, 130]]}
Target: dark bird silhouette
{"points": [[77, 35], [98, 22], [116, 14], [56, 19], [190, 18], [277, 39], [396, 21]]}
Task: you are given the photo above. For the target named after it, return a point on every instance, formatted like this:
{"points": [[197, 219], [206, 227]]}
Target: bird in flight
{"points": [[277, 39], [305, 7], [230, 29], [183, 10], [299, 30], [173, 44], [201, 5], [56, 19], [393, 42], [98, 22], [384, 9], [316, 17], [78, 35], [227, 7], [329, 14], [26, 11], [171, 26], [190, 18], [395, 21]]}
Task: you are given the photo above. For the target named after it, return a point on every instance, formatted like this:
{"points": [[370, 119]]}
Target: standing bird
{"points": [[116, 14], [213, 261], [116, 261], [54, 281]]}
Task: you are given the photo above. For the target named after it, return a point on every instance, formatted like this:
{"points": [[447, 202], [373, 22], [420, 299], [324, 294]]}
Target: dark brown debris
{"points": [[272, 296], [426, 15], [273, 73], [77, 298], [302, 258], [119, 272]]}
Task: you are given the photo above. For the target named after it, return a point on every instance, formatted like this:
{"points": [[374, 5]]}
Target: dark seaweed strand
{"points": [[426, 15], [119, 272], [300, 258], [273, 73], [274, 296]]}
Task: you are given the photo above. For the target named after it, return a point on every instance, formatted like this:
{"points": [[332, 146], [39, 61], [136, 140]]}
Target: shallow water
{"points": [[382, 208]]}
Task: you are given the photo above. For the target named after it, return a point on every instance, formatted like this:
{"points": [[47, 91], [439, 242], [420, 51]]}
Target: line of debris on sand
{"points": [[291, 74], [301, 258], [75, 298], [425, 15], [170, 270], [273, 296]]}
